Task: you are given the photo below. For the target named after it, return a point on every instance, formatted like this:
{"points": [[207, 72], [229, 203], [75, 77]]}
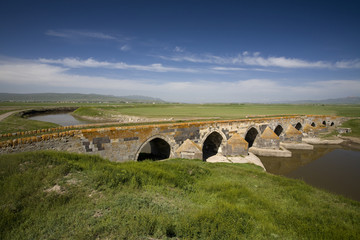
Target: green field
{"points": [[222, 111], [108, 112], [52, 195], [354, 124], [15, 123]]}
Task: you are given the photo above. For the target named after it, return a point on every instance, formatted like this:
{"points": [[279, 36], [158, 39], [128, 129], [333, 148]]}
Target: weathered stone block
{"points": [[292, 135], [236, 146], [268, 139], [343, 130], [189, 150]]}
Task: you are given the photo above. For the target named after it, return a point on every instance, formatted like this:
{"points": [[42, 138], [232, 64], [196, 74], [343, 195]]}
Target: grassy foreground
{"points": [[52, 195]]}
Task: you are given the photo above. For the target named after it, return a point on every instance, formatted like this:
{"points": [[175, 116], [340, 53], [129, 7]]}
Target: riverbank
{"points": [[56, 195], [41, 111]]}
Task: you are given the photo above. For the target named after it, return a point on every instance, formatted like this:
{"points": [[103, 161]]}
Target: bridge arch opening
{"points": [[251, 136], [298, 126], [313, 124], [156, 149], [332, 124], [278, 130], [211, 145], [324, 123]]}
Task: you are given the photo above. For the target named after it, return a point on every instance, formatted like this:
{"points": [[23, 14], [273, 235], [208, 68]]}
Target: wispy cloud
{"points": [[22, 74], [179, 49], [348, 64], [79, 34], [125, 48], [255, 59], [229, 69], [197, 59], [91, 63]]}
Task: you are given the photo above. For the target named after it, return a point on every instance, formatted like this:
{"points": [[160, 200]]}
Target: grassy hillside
{"points": [[52, 195]]}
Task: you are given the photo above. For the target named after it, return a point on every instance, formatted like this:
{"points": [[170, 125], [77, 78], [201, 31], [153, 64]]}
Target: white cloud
{"points": [[348, 64], [21, 74], [281, 62], [78, 34], [229, 69], [125, 48], [179, 49], [246, 59], [91, 63]]}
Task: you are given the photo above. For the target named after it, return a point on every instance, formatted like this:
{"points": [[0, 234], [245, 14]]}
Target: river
{"points": [[63, 119], [334, 168]]}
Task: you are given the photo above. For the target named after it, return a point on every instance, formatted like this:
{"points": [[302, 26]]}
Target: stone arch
{"points": [[251, 135], [278, 130], [155, 148], [212, 144], [324, 123], [313, 124], [298, 126]]}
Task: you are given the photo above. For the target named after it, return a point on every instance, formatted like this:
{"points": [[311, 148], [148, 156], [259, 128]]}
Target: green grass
{"points": [[4, 111], [354, 124], [179, 199], [176, 111], [223, 111], [15, 123]]}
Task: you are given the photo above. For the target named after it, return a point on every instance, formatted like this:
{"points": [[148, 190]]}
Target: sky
{"points": [[182, 51]]}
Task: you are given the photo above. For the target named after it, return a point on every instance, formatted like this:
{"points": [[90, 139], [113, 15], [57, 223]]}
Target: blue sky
{"points": [[182, 51]]}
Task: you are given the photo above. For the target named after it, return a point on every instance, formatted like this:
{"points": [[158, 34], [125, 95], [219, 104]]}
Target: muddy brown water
{"points": [[335, 168], [63, 119]]}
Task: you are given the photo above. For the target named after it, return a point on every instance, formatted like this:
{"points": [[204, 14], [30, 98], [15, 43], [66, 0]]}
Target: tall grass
{"points": [[53, 195]]}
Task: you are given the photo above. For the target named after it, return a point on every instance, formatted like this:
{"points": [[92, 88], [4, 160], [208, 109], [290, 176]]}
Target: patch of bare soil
{"points": [[135, 119], [56, 189]]}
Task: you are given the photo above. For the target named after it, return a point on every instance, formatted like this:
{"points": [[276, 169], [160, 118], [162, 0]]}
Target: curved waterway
{"points": [[63, 119], [335, 168]]}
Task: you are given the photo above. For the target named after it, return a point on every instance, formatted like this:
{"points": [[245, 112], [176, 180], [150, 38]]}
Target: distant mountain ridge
{"points": [[346, 100], [73, 97]]}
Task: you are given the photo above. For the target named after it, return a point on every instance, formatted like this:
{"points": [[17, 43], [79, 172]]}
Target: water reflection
{"points": [[63, 119], [332, 167]]}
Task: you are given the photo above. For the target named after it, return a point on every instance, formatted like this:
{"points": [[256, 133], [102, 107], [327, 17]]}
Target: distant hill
{"points": [[73, 97], [347, 100]]}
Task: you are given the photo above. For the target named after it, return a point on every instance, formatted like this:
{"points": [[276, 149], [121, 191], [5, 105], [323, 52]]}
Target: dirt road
{"points": [[5, 115]]}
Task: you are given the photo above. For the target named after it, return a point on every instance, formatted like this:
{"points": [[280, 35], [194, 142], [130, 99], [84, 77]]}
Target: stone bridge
{"points": [[198, 140]]}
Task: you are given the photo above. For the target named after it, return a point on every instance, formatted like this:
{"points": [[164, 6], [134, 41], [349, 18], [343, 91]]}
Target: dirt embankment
{"points": [[33, 112], [353, 142], [122, 119]]}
